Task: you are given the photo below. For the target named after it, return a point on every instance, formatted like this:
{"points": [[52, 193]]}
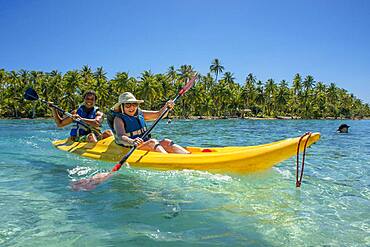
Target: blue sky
{"points": [[328, 39]]}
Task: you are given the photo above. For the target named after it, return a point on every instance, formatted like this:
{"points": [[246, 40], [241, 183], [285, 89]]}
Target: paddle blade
{"points": [[31, 94], [188, 85], [87, 184]]}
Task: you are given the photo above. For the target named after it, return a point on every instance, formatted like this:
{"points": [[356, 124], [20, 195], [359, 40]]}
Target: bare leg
{"points": [[152, 145], [170, 147], [91, 138], [106, 133]]}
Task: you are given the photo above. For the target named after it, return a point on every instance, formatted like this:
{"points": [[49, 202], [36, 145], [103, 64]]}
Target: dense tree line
{"points": [[215, 93]]}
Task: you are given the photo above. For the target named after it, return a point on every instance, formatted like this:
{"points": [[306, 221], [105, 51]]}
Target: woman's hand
{"points": [[170, 104], [137, 141]]}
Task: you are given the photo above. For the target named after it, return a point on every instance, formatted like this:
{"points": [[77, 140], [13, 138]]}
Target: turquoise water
{"points": [[187, 208]]}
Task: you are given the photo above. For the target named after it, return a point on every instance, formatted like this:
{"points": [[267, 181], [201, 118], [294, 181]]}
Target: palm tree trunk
{"points": [[33, 111], [16, 112]]}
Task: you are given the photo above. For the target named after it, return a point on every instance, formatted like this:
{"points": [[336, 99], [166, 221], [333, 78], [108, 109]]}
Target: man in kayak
{"points": [[87, 113], [127, 121]]}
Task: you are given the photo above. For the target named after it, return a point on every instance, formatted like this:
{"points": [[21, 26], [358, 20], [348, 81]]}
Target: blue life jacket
{"points": [[78, 129], [135, 126]]}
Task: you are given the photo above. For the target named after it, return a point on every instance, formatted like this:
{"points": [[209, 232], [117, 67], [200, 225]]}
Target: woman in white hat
{"points": [[128, 125]]}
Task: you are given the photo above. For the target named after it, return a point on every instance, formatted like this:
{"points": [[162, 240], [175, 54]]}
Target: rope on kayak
{"points": [[299, 181]]}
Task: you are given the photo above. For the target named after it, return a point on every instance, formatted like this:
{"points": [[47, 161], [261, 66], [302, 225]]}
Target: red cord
{"points": [[299, 181]]}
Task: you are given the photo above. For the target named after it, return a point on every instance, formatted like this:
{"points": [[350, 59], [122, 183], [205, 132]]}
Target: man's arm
{"points": [[61, 122], [96, 122]]}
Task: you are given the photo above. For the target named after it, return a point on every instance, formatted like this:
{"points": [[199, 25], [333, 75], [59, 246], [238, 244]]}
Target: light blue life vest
{"points": [[78, 129]]}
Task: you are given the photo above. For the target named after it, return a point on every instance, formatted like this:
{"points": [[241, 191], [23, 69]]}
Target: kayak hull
{"points": [[239, 160]]}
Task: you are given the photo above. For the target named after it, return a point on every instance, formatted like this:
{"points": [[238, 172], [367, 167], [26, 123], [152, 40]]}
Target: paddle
{"points": [[31, 94], [91, 183]]}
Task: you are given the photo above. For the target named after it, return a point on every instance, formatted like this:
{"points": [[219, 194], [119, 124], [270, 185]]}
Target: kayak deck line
{"points": [[231, 159]]}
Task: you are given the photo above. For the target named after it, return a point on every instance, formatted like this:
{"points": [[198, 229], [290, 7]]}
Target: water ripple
{"points": [[147, 207]]}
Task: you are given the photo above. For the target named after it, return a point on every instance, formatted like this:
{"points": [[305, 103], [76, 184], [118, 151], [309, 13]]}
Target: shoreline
{"points": [[270, 118], [220, 118]]}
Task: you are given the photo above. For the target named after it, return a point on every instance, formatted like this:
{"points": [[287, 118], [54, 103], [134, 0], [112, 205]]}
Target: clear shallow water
{"points": [[187, 208]]}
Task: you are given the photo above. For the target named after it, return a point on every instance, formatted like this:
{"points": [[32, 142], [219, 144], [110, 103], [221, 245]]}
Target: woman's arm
{"points": [[121, 135], [152, 115]]}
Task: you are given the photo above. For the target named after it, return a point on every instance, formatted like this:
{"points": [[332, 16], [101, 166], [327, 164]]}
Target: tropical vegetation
{"points": [[215, 94]]}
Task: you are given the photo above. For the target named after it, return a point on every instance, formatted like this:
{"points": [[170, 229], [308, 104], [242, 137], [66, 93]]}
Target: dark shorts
{"points": [[84, 138]]}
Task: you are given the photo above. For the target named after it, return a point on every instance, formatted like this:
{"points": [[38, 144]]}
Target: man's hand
{"points": [[75, 116]]}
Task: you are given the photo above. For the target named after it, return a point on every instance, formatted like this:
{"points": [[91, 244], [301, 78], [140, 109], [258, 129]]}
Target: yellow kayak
{"points": [[238, 160]]}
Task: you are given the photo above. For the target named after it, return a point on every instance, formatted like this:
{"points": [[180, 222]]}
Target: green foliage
{"points": [[223, 97]]}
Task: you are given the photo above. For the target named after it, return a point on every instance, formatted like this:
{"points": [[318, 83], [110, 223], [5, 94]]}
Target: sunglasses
{"points": [[128, 105]]}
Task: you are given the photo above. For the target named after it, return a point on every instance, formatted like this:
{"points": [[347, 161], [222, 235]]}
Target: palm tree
{"points": [[202, 92], [221, 94], [270, 89], [282, 96], [55, 86], [332, 97], [172, 75], [24, 76], [249, 91], [296, 101], [148, 88], [100, 75], [87, 77], [101, 87], [320, 100], [308, 83], [3, 83], [200, 95], [297, 85], [165, 86], [260, 97], [35, 79], [236, 103], [229, 94], [228, 78], [120, 82], [216, 67], [332, 93], [72, 89], [185, 72], [14, 99]]}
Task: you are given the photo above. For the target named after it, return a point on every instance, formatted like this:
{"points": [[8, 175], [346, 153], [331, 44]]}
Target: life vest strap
{"points": [[137, 132]]}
